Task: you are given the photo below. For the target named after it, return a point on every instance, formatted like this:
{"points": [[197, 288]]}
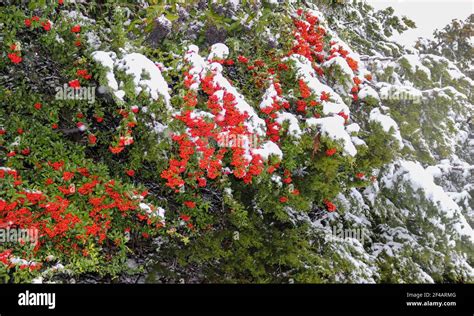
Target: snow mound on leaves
{"points": [[333, 127], [145, 73], [306, 72], [420, 179], [368, 92], [218, 50], [293, 124], [341, 63], [268, 149], [453, 71], [414, 61], [387, 123], [139, 67], [107, 60]]}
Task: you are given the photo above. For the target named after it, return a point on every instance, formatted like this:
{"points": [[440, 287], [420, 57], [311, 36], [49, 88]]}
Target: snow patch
{"points": [[146, 75], [387, 124], [333, 127]]}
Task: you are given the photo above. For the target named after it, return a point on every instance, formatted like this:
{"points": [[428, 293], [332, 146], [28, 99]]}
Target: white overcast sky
{"points": [[427, 14]]}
